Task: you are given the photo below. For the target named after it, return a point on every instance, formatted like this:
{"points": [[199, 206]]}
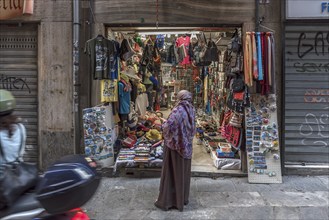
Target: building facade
{"points": [[36, 65], [306, 86], [44, 65]]}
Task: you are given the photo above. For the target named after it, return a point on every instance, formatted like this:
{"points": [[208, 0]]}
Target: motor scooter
{"points": [[28, 207], [60, 192]]}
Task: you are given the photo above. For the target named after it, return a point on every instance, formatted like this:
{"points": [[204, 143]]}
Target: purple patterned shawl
{"points": [[179, 129]]}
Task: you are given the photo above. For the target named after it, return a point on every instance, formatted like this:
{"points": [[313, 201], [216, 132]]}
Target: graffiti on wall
{"points": [[13, 83], [316, 95], [320, 44], [315, 129], [311, 58], [317, 45]]}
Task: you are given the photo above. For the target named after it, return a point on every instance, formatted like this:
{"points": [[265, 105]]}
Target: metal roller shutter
{"points": [[306, 84], [19, 74]]}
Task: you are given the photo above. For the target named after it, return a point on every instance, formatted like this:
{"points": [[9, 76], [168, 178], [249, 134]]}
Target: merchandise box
{"points": [[221, 154], [225, 163]]}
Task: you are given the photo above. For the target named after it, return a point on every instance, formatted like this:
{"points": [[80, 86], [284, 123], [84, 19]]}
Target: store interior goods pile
{"points": [[139, 75]]}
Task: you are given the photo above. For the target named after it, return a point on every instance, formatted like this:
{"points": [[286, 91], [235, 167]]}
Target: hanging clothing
{"points": [[254, 56], [134, 91], [205, 88], [273, 63], [124, 98], [248, 60], [264, 64], [149, 89], [141, 103], [259, 56], [160, 41], [102, 53], [114, 62], [146, 78], [171, 55], [269, 45], [109, 90], [183, 42]]}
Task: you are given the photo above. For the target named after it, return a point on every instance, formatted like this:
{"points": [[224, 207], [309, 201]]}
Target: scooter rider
{"points": [[11, 130]]}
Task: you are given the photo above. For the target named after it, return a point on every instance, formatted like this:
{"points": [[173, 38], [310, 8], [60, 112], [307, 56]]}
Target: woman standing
{"points": [[12, 133], [178, 132]]}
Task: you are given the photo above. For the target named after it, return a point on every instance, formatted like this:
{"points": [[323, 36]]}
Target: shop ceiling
{"points": [[223, 34]]}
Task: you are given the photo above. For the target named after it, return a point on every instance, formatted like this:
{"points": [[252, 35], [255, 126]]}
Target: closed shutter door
{"points": [[19, 74], [306, 120]]}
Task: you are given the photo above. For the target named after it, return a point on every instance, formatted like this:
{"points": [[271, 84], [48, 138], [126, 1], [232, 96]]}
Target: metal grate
{"points": [[19, 74], [19, 42], [306, 85]]}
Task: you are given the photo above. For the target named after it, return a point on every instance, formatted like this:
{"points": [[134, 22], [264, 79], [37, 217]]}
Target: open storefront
{"points": [[237, 130]]}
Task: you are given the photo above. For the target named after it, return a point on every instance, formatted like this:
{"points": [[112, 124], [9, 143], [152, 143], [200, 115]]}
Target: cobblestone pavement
{"points": [[298, 197]]}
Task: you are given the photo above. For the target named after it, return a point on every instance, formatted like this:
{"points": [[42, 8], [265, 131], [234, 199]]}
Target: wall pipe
{"points": [[257, 21], [76, 64]]}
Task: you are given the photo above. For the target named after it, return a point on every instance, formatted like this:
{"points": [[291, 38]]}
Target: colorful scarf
{"points": [[248, 60], [179, 129]]}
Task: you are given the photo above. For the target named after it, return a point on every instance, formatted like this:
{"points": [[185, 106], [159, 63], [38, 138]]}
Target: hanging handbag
{"points": [[211, 53], [233, 104], [16, 178], [235, 43], [226, 119], [200, 51], [236, 120], [238, 85], [235, 137], [202, 44], [238, 96]]}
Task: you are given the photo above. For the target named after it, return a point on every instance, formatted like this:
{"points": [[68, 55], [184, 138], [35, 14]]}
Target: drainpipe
{"points": [[256, 15], [76, 83]]}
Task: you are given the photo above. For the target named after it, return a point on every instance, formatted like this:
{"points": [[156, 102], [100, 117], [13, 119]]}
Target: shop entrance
{"points": [[140, 72], [213, 154]]}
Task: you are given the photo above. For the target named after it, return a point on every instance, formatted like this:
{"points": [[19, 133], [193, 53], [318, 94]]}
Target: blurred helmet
{"points": [[7, 102]]}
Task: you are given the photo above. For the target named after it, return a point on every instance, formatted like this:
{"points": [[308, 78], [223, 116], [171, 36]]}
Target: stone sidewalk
{"points": [[222, 198]]}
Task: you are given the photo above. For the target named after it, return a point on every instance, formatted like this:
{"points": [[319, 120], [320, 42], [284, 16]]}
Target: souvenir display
{"points": [[262, 140], [99, 134]]}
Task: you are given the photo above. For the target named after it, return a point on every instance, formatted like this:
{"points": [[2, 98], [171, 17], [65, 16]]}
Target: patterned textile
{"points": [[248, 60], [179, 129], [254, 57], [259, 56]]}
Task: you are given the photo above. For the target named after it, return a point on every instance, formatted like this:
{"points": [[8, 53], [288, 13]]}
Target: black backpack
{"points": [[211, 54]]}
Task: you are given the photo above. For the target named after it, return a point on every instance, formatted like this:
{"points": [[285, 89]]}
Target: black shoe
{"points": [[159, 207]]}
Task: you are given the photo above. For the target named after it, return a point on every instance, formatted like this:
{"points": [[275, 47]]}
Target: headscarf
{"points": [[179, 129]]}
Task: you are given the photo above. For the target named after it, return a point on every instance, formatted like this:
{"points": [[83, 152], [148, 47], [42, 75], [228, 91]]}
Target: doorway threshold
{"points": [[213, 172]]}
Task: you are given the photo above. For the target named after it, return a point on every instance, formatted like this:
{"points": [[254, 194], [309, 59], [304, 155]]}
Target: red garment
{"points": [[265, 82], [186, 41]]}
